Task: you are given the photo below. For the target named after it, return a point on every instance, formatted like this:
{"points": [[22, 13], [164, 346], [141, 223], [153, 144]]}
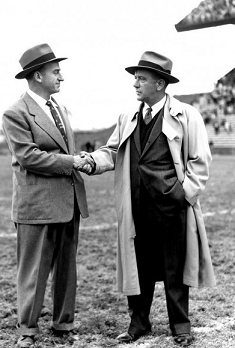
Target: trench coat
{"points": [[188, 143], [44, 182]]}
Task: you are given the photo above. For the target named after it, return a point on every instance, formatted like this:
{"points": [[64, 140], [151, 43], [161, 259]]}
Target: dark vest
{"points": [[153, 175]]}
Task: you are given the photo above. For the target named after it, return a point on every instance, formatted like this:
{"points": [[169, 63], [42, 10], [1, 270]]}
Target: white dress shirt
{"points": [[155, 108], [42, 103]]}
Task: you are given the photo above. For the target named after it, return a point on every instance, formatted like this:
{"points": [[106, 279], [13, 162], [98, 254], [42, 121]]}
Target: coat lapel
{"points": [[128, 128], [135, 122], [136, 134], [171, 126], [43, 121]]}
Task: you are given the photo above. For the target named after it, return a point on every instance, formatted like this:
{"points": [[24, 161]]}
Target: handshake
{"points": [[84, 163]]}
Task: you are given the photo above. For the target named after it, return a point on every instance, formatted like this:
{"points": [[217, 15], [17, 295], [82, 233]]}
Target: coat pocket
{"points": [[34, 202]]}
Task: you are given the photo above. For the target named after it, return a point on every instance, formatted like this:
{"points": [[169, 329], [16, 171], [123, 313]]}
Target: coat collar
{"points": [[172, 110], [174, 106], [154, 134], [171, 126], [46, 123]]}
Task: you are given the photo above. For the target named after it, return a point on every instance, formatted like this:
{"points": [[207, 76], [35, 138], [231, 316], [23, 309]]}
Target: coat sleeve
{"points": [[198, 156], [105, 156], [20, 139]]}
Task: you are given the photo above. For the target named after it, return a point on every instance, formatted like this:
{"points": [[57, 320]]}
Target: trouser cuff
{"points": [[63, 327], [25, 331], [181, 328]]}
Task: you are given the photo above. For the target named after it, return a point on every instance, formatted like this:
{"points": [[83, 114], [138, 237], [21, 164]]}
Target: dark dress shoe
{"points": [[126, 338], [67, 334], [183, 340]]}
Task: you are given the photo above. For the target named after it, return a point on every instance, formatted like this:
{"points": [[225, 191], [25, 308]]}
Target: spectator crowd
{"points": [[216, 106], [210, 11]]}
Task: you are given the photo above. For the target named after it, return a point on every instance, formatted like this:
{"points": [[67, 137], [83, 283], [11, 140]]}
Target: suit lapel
{"points": [[156, 131], [68, 129], [43, 121]]}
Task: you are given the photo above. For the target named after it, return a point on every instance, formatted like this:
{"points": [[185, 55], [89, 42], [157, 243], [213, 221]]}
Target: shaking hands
{"points": [[84, 163]]}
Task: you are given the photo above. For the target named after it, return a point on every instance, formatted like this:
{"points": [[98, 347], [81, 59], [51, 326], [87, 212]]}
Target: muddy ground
{"points": [[101, 312]]}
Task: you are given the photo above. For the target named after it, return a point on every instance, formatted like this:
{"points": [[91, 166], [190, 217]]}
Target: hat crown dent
{"points": [[158, 59], [33, 53]]}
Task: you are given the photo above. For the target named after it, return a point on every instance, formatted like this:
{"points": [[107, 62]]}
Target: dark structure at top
{"points": [[209, 13]]}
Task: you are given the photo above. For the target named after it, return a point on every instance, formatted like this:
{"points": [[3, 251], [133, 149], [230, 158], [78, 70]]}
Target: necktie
{"points": [[148, 116], [58, 122]]}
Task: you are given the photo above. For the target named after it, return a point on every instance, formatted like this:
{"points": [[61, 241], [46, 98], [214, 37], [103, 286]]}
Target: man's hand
{"points": [[84, 163], [85, 154]]}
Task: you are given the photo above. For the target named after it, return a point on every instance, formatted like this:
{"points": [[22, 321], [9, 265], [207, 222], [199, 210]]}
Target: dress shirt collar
{"points": [[156, 107], [39, 100], [42, 102]]}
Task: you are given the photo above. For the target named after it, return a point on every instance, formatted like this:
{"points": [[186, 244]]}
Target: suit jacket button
{"points": [[72, 183]]}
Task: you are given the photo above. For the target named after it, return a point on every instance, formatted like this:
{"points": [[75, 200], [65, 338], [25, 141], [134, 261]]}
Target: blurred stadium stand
{"points": [[218, 107], [223, 142], [218, 111]]}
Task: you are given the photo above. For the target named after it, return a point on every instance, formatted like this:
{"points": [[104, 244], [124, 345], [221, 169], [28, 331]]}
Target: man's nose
{"points": [[60, 78], [136, 84]]}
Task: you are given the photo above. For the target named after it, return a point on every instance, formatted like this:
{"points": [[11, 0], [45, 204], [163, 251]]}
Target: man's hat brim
{"points": [[25, 72], [168, 77]]}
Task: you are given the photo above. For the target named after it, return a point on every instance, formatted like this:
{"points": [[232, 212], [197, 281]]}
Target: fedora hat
{"points": [[156, 62], [34, 58]]}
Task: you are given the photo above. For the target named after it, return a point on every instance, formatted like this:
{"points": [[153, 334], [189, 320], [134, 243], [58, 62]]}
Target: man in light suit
{"points": [[48, 195], [161, 158]]}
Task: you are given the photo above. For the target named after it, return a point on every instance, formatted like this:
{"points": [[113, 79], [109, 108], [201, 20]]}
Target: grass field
{"points": [[101, 312]]}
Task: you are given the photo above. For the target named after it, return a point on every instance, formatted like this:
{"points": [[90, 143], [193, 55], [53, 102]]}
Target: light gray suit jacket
{"points": [[45, 184]]}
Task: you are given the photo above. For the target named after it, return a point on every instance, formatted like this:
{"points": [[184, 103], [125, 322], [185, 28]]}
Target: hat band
{"points": [[42, 59], [153, 65]]}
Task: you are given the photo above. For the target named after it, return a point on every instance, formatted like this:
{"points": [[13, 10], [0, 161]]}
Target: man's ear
{"points": [[160, 84], [38, 76]]}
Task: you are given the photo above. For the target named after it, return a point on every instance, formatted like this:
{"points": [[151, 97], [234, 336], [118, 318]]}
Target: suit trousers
{"points": [[160, 245], [42, 249]]}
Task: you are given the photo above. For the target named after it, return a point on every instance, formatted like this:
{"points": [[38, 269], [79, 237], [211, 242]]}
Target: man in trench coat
{"points": [[161, 158], [48, 196]]}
